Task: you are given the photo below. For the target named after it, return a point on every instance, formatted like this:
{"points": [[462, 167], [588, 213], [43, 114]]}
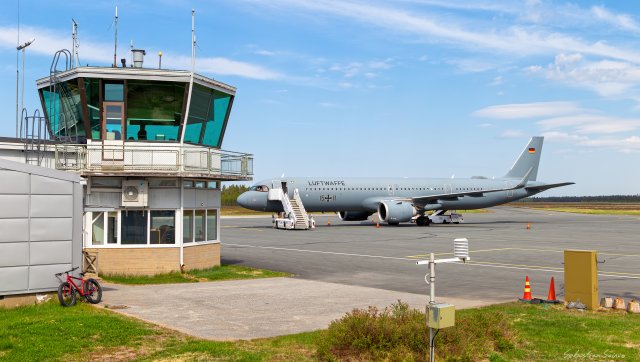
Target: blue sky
{"points": [[411, 88]]}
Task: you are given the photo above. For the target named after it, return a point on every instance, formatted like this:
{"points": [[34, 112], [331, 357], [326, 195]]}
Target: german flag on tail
{"points": [[532, 150]]}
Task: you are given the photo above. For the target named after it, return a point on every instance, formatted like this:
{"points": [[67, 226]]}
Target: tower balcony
{"points": [[117, 158]]}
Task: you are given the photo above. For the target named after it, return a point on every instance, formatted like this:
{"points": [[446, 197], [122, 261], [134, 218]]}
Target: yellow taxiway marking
{"points": [[420, 256]]}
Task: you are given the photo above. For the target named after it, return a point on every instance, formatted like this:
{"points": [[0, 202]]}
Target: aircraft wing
{"points": [[548, 186], [423, 200]]}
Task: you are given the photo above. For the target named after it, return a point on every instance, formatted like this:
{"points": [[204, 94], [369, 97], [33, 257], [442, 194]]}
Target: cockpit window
{"points": [[259, 188]]}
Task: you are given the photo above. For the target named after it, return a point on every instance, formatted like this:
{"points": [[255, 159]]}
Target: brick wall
{"points": [[149, 261], [137, 261], [201, 256]]}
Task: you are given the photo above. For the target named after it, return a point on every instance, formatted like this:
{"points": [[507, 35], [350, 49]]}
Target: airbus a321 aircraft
{"points": [[399, 200]]}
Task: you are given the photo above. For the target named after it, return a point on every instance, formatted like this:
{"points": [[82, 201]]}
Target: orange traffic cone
{"points": [[377, 225], [328, 222], [527, 291], [551, 297], [528, 226]]}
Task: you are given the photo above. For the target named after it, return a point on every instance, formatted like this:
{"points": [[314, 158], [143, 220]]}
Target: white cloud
{"points": [[225, 66], [49, 41], [562, 137], [527, 110], [265, 52], [497, 81], [512, 133], [608, 78], [621, 21], [591, 124], [627, 145], [515, 39]]}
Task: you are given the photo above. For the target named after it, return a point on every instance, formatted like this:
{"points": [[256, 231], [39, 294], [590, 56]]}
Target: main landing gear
{"points": [[423, 220]]}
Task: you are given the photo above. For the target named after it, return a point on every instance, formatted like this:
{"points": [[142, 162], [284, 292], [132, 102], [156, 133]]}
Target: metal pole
{"points": [[22, 93], [115, 41], [432, 301], [17, 89], [193, 41]]}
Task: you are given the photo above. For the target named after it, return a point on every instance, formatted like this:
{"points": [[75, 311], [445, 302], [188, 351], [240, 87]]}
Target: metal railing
{"points": [[170, 159]]}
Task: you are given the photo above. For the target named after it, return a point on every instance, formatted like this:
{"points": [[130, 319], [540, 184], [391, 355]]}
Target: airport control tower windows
{"points": [[208, 112], [63, 107], [92, 89], [154, 110]]}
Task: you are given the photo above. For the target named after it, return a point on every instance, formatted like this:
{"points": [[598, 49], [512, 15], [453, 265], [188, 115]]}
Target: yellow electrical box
{"points": [[441, 315], [581, 277]]}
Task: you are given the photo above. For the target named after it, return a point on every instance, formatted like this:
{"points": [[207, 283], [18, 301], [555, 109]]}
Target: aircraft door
{"points": [[283, 184], [508, 185], [391, 189], [447, 189]]}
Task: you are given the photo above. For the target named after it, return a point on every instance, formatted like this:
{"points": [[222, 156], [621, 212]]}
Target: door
{"points": [[113, 121], [391, 189], [508, 185]]}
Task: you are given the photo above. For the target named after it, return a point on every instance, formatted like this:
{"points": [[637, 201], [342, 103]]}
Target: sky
{"points": [[408, 88]]}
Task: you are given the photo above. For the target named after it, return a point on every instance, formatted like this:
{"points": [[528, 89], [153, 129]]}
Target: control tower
{"points": [[148, 144]]}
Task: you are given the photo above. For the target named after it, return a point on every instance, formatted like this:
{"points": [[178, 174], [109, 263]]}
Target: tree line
{"points": [[605, 198], [230, 193]]}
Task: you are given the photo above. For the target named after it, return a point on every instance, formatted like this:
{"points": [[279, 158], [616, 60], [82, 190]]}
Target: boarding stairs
{"points": [[295, 215]]}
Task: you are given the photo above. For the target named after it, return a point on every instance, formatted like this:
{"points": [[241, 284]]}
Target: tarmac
{"points": [[257, 308], [356, 264]]}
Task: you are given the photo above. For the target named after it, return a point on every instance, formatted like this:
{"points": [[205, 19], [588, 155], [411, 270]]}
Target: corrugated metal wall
{"points": [[40, 226]]}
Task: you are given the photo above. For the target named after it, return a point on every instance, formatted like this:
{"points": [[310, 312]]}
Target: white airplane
{"points": [[399, 200]]}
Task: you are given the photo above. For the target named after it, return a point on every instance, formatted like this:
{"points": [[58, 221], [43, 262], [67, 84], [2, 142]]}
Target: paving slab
{"points": [[258, 308]]}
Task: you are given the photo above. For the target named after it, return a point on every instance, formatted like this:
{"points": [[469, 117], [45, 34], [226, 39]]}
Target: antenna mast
{"points": [[115, 41], [193, 41], [74, 49]]}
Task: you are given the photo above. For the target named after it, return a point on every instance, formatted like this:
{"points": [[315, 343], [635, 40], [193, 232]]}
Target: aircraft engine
{"points": [[354, 215], [395, 212]]}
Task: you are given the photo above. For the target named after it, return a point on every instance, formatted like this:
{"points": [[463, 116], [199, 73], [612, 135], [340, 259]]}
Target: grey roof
{"points": [[40, 171], [166, 75]]}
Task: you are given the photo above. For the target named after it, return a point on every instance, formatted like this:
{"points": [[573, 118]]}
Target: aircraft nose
{"points": [[243, 200]]}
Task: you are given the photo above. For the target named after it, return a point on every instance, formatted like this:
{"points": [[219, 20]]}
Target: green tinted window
{"points": [[113, 92], [216, 119], [154, 110], [207, 115], [64, 109], [198, 110], [92, 88]]}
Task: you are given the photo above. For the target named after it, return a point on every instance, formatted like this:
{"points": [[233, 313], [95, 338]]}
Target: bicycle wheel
{"points": [[92, 291], [66, 295]]}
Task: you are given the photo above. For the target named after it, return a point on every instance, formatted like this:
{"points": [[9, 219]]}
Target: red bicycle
{"points": [[90, 289]]}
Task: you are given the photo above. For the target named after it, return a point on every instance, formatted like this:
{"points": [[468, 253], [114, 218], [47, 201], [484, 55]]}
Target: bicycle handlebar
{"points": [[68, 271]]}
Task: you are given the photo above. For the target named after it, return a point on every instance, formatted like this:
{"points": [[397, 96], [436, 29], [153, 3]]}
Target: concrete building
{"points": [[146, 145]]}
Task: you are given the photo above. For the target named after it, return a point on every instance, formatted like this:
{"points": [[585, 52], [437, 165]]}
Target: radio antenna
{"points": [[193, 41], [74, 48], [115, 40]]}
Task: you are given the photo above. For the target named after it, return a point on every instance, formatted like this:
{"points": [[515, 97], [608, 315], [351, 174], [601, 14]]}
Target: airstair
{"points": [[295, 216]]}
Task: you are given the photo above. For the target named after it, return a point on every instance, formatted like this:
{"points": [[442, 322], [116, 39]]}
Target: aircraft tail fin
{"points": [[528, 161]]}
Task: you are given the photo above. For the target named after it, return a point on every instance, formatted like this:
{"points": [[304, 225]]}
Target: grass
{"points": [[49, 332], [585, 208], [240, 211], [508, 332], [223, 272]]}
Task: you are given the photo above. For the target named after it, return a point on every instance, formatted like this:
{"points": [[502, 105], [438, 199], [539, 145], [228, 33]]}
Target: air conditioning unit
{"points": [[134, 193]]}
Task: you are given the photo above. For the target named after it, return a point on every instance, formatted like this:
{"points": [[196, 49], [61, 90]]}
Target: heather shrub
{"points": [[399, 333]]}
